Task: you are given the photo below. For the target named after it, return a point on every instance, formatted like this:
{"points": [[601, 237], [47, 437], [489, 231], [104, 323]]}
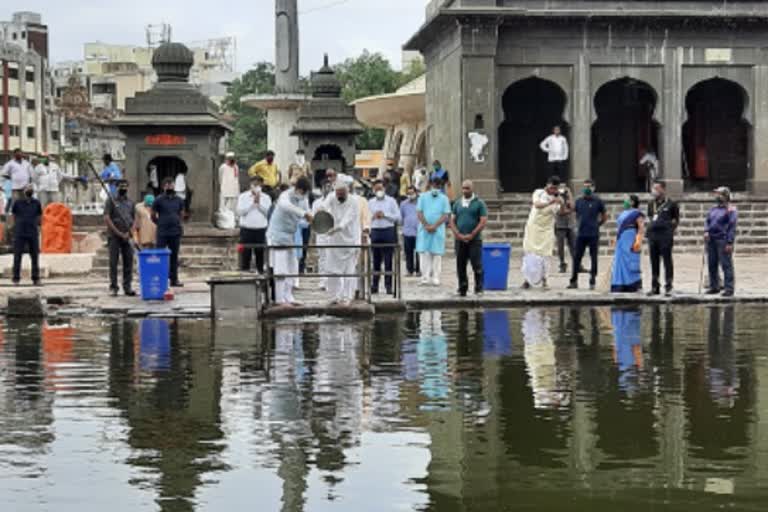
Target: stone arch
{"points": [[531, 107], [420, 149], [396, 146], [624, 131], [168, 166], [327, 156], [716, 135]]}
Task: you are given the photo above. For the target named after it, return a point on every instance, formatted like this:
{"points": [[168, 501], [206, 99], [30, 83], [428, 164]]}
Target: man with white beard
{"points": [[346, 232]]}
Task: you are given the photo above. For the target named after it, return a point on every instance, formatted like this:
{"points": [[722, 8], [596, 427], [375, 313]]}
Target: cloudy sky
{"points": [[342, 28]]}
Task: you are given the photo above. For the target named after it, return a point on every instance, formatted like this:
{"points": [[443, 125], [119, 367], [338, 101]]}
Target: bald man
{"points": [[468, 220]]}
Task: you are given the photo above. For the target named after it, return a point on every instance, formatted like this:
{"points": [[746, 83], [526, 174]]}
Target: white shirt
{"points": [[20, 173], [389, 207], [229, 180], [48, 177], [556, 147], [180, 186], [253, 215]]}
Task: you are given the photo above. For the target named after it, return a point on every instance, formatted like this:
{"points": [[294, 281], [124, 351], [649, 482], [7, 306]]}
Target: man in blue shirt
{"points": [[111, 174], [409, 218], [591, 213], [26, 233], [720, 235], [167, 212], [385, 214]]}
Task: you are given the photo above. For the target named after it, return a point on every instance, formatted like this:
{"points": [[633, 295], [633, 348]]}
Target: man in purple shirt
{"points": [[410, 222], [720, 236]]}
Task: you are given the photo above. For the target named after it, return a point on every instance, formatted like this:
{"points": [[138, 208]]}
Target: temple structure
{"points": [[685, 80], [176, 128]]}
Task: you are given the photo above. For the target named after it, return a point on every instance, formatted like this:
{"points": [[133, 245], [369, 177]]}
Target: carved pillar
{"points": [[672, 131], [286, 46], [581, 133]]}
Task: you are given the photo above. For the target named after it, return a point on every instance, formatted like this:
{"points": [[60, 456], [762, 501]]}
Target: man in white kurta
{"points": [[539, 240], [291, 207], [229, 183], [346, 232]]}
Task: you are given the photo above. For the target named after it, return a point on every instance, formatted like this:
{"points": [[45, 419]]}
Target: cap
{"points": [[230, 155], [723, 190]]}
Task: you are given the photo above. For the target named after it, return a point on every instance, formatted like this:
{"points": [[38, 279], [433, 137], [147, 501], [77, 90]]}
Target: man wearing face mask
{"points": [[385, 215], [268, 171], [346, 232], [26, 233], [167, 212], [290, 208], [409, 219], [434, 210], [663, 219], [591, 213], [720, 237], [252, 207], [120, 218], [300, 168]]}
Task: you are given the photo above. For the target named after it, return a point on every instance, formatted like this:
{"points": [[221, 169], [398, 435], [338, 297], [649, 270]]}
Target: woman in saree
{"points": [[627, 276]]}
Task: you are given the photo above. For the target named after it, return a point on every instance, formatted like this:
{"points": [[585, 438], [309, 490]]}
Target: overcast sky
{"points": [[343, 28]]}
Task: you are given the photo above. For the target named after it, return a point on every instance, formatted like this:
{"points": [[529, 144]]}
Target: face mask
{"points": [[342, 199], [720, 200], [412, 197], [256, 189], [28, 193], [380, 194], [301, 159], [170, 192], [655, 194], [122, 192], [627, 204], [435, 193], [587, 191]]}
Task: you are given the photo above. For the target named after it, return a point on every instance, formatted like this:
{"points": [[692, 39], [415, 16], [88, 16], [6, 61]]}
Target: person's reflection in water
{"points": [[432, 354], [720, 398], [283, 410], [662, 351], [337, 399], [627, 347], [172, 412], [540, 359]]}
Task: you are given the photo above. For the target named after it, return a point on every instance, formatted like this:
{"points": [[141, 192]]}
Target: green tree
{"points": [[249, 138]]}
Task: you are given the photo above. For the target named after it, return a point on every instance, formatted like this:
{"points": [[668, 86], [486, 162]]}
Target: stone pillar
{"points": [[673, 119], [581, 129], [758, 182], [479, 113], [286, 46], [280, 122]]}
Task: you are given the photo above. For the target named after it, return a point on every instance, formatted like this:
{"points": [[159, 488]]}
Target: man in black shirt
{"points": [[167, 212], [120, 218], [663, 219], [26, 233]]}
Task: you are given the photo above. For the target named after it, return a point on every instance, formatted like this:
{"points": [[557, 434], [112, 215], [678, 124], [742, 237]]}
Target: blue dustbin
{"points": [[496, 266], [154, 266]]}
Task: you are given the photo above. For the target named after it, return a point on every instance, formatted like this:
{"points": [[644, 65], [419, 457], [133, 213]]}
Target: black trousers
{"points": [[306, 234], [582, 243], [411, 258], [22, 244], [252, 237], [661, 250], [469, 252], [173, 243], [119, 248], [564, 235], [559, 169], [383, 255]]}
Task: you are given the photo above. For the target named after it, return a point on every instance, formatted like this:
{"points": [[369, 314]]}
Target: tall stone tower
{"points": [[282, 106]]}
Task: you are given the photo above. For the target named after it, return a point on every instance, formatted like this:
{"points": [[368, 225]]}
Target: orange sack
{"points": [[57, 229]]}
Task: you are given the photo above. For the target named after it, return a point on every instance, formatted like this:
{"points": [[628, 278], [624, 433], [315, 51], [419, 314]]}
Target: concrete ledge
{"points": [[52, 264], [356, 311]]}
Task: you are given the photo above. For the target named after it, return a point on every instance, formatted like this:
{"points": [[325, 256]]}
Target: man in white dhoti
{"points": [[539, 240], [291, 207], [346, 231], [229, 183]]}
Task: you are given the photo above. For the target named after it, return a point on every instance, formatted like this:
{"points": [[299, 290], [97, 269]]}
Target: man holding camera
{"points": [[564, 224]]}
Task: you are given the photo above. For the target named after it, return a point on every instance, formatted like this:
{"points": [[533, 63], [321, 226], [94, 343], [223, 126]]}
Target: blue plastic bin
{"points": [[496, 266], [154, 266]]}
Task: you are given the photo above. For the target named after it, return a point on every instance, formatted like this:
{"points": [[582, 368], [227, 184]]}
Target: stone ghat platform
{"points": [[88, 296]]}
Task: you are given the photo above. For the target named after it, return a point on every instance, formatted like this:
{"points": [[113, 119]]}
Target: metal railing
{"points": [[365, 273]]}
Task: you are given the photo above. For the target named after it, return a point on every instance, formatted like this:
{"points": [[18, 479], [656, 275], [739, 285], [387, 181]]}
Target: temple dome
{"points": [[172, 62], [325, 84]]}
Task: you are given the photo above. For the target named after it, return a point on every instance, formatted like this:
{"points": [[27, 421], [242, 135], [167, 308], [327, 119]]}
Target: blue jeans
{"points": [[719, 258]]}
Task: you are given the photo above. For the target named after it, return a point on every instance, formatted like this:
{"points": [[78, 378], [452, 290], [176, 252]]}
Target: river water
{"points": [[598, 409]]}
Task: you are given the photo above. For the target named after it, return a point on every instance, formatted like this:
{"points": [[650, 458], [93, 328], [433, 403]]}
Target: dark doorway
{"points": [[716, 136], [328, 156], [531, 108], [623, 134], [167, 167]]}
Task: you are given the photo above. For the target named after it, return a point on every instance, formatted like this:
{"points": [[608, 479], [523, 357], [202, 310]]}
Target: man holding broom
{"points": [[120, 218]]}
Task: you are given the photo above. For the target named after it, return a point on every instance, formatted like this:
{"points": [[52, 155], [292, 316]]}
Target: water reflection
{"points": [[449, 411]]}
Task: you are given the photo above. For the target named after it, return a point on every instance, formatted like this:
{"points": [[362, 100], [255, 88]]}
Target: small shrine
{"points": [[173, 128]]}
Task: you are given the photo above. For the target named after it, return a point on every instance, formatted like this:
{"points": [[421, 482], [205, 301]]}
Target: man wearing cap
{"points": [[720, 237], [229, 183], [120, 218]]}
